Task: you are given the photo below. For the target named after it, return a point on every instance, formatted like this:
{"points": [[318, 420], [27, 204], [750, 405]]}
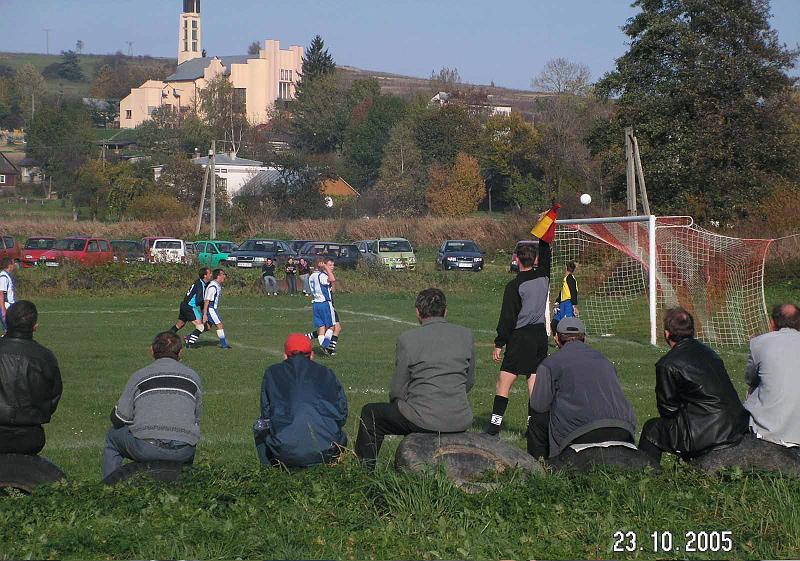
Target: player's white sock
{"points": [[329, 334]]}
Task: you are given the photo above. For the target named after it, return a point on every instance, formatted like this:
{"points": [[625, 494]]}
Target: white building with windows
{"points": [[232, 172], [258, 80]]}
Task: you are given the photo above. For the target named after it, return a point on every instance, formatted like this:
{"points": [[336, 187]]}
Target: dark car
{"points": [[514, 264], [127, 251], [459, 254], [297, 245], [345, 255], [255, 252]]}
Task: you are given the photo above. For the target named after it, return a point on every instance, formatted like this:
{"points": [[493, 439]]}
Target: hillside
{"points": [[520, 100], [88, 64]]}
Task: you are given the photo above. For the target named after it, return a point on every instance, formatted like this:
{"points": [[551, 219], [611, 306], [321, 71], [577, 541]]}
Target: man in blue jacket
{"points": [[303, 410]]}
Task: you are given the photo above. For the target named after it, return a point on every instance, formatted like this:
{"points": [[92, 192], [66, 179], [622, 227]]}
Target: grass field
{"points": [[229, 507]]}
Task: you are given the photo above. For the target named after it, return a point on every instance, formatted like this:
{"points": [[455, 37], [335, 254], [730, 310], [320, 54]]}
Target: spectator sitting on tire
{"points": [[158, 415], [577, 397], [303, 410], [699, 410], [434, 370], [30, 382]]}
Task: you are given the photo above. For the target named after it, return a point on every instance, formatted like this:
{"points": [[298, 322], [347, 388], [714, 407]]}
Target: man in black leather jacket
{"points": [[30, 383], [698, 406]]}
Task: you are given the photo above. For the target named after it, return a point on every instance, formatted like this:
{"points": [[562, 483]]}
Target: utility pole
{"points": [[629, 172], [47, 39], [203, 193], [130, 47], [213, 175]]}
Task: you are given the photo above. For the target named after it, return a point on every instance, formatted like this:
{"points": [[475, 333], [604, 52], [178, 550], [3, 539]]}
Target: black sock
{"points": [[194, 336], [332, 345], [174, 328], [498, 410]]}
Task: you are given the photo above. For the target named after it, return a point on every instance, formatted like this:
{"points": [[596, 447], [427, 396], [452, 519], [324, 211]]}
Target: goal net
{"points": [[719, 279]]}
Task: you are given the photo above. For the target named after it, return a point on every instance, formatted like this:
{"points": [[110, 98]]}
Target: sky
{"points": [[506, 42]]}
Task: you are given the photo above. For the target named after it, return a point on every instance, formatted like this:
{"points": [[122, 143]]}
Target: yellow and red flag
{"points": [[545, 229]]}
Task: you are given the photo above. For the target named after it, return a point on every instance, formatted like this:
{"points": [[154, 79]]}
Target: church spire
{"points": [[189, 36]]}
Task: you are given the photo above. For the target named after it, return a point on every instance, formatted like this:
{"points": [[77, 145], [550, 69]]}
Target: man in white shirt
{"points": [[773, 377], [211, 299], [7, 293]]}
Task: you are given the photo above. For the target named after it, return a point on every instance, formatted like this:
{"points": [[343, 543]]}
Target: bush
{"points": [[157, 206]]}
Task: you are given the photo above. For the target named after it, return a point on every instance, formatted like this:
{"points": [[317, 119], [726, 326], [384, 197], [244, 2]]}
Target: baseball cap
{"points": [[297, 343], [569, 326]]}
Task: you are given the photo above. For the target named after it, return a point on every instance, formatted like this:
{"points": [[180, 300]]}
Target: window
{"points": [[9, 241], [290, 75], [285, 90], [222, 183], [2, 178], [103, 245], [93, 245], [194, 34], [194, 24], [129, 114], [240, 100], [200, 247], [222, 170], [186, 45], [194, 46]]}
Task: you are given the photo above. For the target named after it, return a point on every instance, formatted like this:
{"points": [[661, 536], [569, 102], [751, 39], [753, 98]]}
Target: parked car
{"points": [[395, 253], [147, 246], [459, 254], [127, 251], [10, 248], [213, 253], [345, 255], [83, 250], [168, 250], [34, 248], [514, 264], [254, 252], [297, 245]]}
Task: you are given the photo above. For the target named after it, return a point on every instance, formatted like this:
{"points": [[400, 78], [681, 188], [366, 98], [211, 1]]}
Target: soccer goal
{"points": [[632, 268]]}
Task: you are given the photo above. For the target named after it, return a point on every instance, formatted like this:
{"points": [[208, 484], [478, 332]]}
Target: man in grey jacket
{"points": [[158, 415], [434, 370], [577, 397], [774, 379]]}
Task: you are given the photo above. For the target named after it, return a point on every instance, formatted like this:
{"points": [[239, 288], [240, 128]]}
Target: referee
{"points": [[521, 327]]}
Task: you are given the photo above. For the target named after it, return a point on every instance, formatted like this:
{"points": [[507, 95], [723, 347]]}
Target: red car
{"points": [[9, 248], [86, 251], [34, 248]]}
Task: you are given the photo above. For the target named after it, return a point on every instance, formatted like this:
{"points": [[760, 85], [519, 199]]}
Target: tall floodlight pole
{"points": [[47, 39]]}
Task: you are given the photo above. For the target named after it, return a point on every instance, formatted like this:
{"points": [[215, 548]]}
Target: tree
{"points": [[254, 48], [70, 67], [371, 122], [509, 153], [79, 46], [400, 189], [317, 62], [561, 76], [223, 109], [320, 116], [455, 191], [443, 132], [182, 179], [29, 87], [705, 86], [445, 80]]}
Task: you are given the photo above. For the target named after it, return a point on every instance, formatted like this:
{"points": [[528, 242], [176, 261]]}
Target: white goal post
{"points": [[651, 256]]}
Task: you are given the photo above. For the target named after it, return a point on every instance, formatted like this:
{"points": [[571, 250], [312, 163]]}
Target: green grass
{"points": [[229, 507], [35, 208]]}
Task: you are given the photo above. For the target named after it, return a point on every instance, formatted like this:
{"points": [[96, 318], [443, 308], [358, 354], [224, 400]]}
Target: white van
{"points": [[168, 250]]}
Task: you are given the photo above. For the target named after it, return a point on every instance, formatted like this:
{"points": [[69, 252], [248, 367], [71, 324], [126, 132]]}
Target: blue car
{"points": [[464, 255], [255, 252]]}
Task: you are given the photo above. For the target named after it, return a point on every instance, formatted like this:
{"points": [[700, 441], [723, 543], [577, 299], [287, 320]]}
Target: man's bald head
{"points": [[785, 315]]}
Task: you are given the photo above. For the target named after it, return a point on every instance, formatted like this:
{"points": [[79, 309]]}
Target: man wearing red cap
{"points": [[303, 410]]}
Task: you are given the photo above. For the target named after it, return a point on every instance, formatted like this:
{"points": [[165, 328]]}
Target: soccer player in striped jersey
{"points": [[326, 320], [211, 306], [7, 292], [190, 310]]}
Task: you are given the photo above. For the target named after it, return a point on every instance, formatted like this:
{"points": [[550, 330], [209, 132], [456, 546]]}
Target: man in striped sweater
{"points": [[158, 415]]}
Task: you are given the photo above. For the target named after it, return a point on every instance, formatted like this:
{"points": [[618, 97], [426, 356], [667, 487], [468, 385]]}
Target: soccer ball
{"points": [[586, 198]]}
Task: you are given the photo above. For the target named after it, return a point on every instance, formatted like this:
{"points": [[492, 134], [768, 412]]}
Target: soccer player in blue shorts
{"points": [[190, 310], [211, 306], [326, 320]]}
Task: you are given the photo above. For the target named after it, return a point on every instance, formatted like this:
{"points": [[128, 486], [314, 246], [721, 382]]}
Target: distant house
{"points": [[9, 174], [232, 172], [477, 102], [29, 170], [329, 188]]}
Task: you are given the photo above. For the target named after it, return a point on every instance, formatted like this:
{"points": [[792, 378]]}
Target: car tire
{"points": [[167, 472], [25, 472]]}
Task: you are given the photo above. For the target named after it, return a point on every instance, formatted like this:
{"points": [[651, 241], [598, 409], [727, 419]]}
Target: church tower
{"points": [[189, 37]]}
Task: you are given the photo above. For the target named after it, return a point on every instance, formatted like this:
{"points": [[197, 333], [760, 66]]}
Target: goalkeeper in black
{"points": [[521, 328]]}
